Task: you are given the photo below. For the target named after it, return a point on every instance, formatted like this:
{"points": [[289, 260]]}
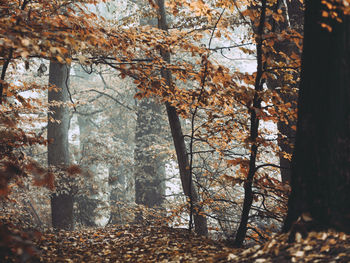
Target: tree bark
{"points": [[320, 167], [200, 221], [149, 165], [58, 153], [254, 133], [87, 201], [118, 192]]}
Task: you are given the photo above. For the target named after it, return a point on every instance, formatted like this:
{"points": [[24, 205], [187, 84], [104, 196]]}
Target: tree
{"points": [[149, 164], [254, 132], [85, 202], [320, 167], [58, 153], [200, 221], [227, 149]]}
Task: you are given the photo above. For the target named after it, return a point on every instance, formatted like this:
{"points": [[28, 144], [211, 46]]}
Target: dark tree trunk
{"points": [[320, 168], [200, 221], [58, 154], [254, 133], [3, 75], [149, 164]]}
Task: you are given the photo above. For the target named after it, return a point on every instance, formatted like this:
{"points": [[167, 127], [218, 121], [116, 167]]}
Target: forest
{"points": [[175, 131]]}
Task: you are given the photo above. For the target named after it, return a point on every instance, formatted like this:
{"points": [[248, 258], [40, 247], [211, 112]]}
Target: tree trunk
{"points": [[58, 154], [320, 167], [116, 182], [254, 133], [149, 165], [121, 172], [149, 168], [200, 221], [87, 200]]}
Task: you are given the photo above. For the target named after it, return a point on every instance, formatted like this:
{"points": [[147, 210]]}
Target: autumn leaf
{"points": [[73, 170]]}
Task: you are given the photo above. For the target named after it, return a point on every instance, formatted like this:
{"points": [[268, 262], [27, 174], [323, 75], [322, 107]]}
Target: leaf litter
{"points": [[157, 243]]}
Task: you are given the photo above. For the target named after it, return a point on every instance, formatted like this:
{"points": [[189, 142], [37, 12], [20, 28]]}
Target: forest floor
{"points": [[135, 243]]}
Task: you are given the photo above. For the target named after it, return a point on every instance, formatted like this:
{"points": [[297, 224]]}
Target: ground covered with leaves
{"points": [[136, 243]]}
